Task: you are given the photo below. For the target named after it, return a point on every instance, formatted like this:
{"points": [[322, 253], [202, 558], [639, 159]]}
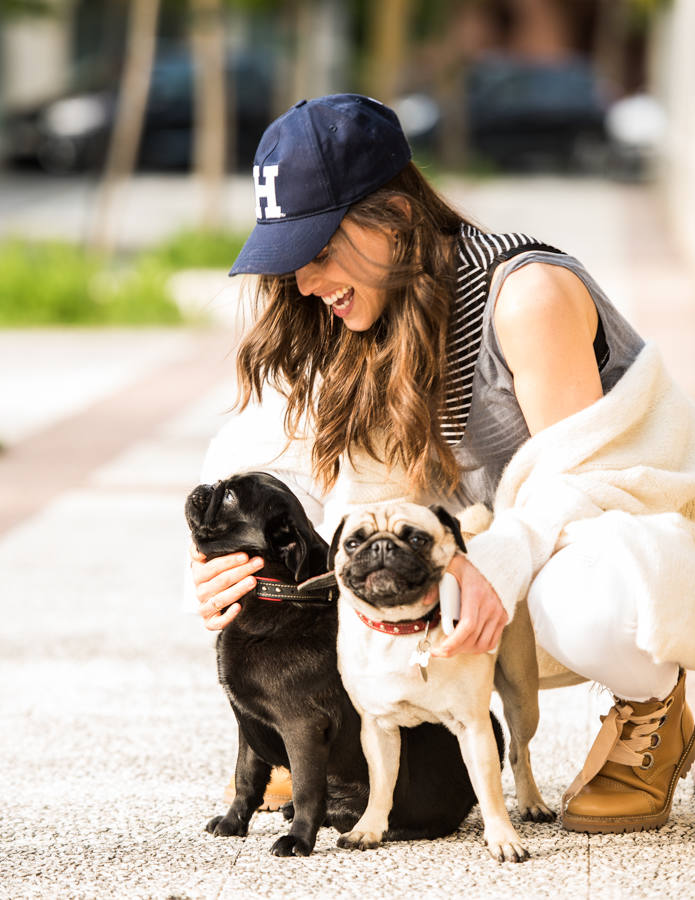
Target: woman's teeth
{"points": [[336, 298]]}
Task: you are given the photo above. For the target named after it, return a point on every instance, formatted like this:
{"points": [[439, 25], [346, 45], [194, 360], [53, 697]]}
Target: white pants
{"points": [[585, 605]]}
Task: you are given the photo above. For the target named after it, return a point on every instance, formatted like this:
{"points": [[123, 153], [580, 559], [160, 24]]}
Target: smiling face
{"points": [[348, 275]]}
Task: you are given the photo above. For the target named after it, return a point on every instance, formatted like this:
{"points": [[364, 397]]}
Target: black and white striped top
{"points": [[479, 254]]}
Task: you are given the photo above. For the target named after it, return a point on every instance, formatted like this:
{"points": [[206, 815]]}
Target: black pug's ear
{"points": [[292, 546], [333, 549], [450, 522]]}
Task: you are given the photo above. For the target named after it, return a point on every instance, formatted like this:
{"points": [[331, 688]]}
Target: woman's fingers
{"points": [[195, 554], [222, 599], [220, 584], [482, 616], [215, 577], [220, 620], [490, 635], [209, 569]]}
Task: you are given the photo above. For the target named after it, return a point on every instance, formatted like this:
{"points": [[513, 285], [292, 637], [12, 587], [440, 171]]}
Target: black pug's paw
{"points": [[290, 845], [287, 811], [227, 826]]}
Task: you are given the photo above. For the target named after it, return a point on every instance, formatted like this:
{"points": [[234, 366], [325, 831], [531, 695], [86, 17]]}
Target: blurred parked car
{"points": [[420, 119], [71, 133], [637, 126], [527, 115]]}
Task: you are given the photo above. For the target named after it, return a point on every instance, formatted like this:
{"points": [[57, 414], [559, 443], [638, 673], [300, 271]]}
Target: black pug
{"points": [[277, 664]]}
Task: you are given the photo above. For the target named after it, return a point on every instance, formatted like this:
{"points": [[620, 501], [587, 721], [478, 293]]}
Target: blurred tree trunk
{"points": [[455, 44], [314, 59], [387, 42], [450, 92], [211, 115], [303, 23], [141, 39], [609, 40], [541, 28]]}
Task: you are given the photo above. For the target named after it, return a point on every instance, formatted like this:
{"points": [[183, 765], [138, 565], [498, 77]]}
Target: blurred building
{"points": [[672, 80], [275, 53], [23, 41], [392, 49]]}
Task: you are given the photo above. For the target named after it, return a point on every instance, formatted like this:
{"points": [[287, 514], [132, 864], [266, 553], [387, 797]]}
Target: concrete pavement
{"points": [[115, 739]]}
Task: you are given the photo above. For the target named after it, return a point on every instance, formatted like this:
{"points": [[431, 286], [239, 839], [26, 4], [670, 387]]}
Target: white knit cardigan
{"points": [[634, 451]]}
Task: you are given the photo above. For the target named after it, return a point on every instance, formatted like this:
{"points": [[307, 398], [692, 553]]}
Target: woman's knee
{"points": [[584, 609]]}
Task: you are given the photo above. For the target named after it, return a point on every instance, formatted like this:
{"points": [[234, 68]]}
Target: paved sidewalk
{"points": [[115, 739]]}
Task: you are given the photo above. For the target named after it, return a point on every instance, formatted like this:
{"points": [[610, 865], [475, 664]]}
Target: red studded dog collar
{"points": [[407, 627]]}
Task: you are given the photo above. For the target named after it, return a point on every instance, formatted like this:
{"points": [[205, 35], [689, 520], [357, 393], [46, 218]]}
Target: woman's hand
{"points": [[482, 616], [220, 584]]}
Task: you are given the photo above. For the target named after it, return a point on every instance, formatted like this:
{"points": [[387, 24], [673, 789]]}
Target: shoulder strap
{"points": [[601, 350], [506, 255]]}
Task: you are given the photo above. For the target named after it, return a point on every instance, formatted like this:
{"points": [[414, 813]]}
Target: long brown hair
{"points": [[381, 389]]}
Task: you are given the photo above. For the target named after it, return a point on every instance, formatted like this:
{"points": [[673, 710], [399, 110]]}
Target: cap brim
{"points": [[279, 246]]}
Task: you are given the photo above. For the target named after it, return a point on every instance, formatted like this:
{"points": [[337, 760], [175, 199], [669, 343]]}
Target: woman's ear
{"points": [[402, 204], [401, 208]]}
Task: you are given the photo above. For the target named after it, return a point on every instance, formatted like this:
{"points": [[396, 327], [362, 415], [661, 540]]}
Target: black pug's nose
{"points": [[201, 494], [203, 504], [197, 502]]}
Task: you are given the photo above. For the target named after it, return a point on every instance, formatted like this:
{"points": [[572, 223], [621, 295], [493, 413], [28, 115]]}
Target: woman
{"points": [[409, 336]]}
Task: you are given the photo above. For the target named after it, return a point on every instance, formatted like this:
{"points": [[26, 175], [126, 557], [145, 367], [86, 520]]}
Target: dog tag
{"points": [[421, 655]]}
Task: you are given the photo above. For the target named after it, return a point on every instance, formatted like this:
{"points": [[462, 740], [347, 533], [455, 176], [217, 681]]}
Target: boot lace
{"points": [[611, 746]]}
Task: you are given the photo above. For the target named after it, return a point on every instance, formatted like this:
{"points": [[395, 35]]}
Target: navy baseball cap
{"points": [[311, 165]]}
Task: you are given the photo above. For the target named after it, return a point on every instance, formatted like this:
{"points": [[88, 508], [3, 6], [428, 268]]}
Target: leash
{"points": [[320, 590]]}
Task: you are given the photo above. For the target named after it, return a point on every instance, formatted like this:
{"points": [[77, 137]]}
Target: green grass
{"points": [[56, 283], [198, 250]]}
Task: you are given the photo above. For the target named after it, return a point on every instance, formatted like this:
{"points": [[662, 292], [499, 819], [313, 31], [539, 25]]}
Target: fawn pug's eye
{"points": [[353, 541], [415, 538]]}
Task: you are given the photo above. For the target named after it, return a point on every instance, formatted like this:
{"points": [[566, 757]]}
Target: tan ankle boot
{"points": [[628, 780], [277, 793]]}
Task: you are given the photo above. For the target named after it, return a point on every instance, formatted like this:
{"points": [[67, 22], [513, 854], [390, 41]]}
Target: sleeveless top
{"points": [[481, 418]]}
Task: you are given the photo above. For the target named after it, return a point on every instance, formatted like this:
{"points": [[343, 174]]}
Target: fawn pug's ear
{"points": [[450, 522], [335, 543]]}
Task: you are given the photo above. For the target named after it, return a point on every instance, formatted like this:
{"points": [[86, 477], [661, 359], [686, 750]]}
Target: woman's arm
{"points": [[546, 322]]}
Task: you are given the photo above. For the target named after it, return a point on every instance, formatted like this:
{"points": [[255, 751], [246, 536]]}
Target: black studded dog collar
{"points": [[320, 590]]}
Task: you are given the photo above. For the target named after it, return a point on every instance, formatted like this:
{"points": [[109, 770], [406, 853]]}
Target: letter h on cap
{"points": [[267, 191]]}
